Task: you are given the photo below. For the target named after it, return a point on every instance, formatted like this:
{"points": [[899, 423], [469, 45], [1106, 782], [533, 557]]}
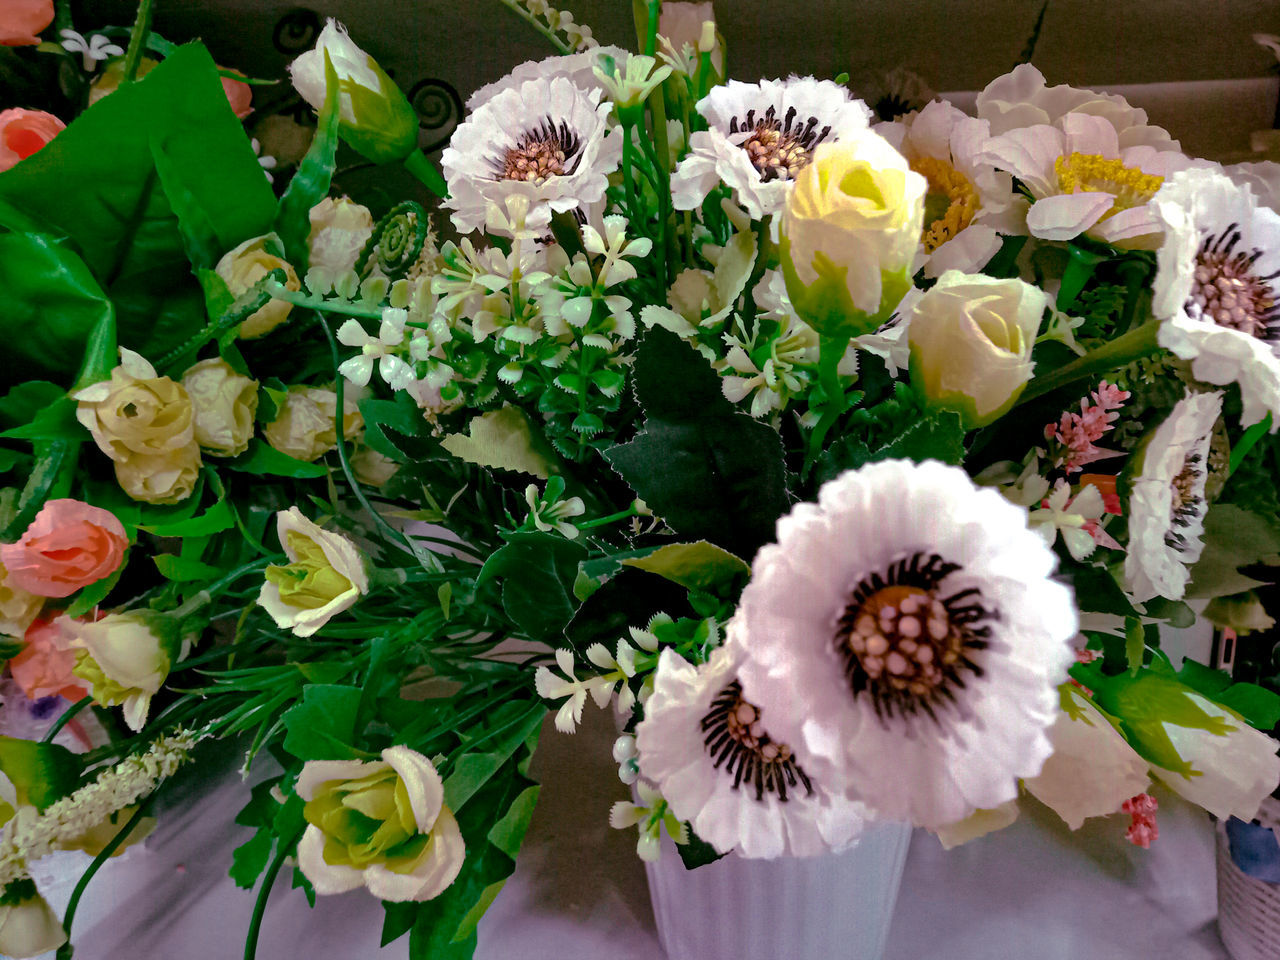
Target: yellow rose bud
{"points": [[325, 575], [970, 338], [146, 425], [28, 927], [244, 266], [304, 424], [850, 231], [225, 403], [381, 824], [124, 657], [339, 230]]}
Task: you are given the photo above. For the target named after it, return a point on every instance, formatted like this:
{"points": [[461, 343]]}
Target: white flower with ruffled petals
{"points": [[1083, 181], [760, 135], [906, 635], [546, 140], [719, 767], [1217, 287], [1167, 504]]}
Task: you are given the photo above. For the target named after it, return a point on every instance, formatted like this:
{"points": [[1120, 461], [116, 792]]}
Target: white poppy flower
{"points": [[712, 755], [545, 140], [1083, 181], [906, 635], [1217, 286], [760, 136], [1167, 504]]}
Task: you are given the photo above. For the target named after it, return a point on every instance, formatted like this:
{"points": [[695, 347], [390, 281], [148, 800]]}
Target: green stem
{"points": [[67, 716], [346, 308], [137, 42], [260, 905], [651, 41], [830, 354], [551, 36], [1138, 342], [64, 952], [612, 518], [427, 174], [1248, 442], [628, 165]]}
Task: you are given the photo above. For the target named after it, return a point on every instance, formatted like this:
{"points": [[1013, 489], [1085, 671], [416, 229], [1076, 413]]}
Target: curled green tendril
{"points": [[396, 242]]}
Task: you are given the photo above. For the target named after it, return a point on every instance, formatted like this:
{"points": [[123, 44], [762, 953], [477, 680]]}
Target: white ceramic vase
{"points": [[812, 908]]}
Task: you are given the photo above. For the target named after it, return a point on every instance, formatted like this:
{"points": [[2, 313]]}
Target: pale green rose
{"points": [[124, 657], [325, 576], [381, 824], [28, 926], [970, 338], [850, 232], [373, 115]]}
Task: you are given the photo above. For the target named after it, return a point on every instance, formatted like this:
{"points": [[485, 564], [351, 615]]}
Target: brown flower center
{"points": [[778, 149], [549, 150], [1187, 503], [905, 644], [1226, 290], [735, 738]]}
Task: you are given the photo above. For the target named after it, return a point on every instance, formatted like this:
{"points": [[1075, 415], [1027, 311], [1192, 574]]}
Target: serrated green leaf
{"points": [[698, 566], [504, 439], [538, 571], [322, 726], [250, 858]]}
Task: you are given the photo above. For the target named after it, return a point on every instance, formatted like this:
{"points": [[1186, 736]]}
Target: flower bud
{"points": [[68, 545], [971, 338], [124, 657], [381, 824], [339, 230], [28, 926], [325, 575], [23, 132], [374, 116], [18, 608], [850, 231], [224, 403], [244, 266], [304, 427]]}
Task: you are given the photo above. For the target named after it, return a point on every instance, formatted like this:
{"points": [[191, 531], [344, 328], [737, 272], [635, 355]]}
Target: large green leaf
{"points": [[538, 571], [96, 183]]}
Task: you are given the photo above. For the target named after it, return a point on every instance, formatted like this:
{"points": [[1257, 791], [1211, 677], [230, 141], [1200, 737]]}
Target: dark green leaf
{"points": [[398, 920], [57, 421], [310, 184], [1174, 612], [21, 404], [697, 852], [400, 415], [185, 568], [199, 236], [629, 599], [261, 809], [263, 459], [95, 593], [250, 858], [322, 726], [10, 649], [939, 436], [537, 571]]}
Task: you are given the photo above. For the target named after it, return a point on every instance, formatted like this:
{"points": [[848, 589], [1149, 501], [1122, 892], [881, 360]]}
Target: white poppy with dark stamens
{"points": [[712, 754], [906, 634], [1167, 503], [1217, 286], [760, 136], [546, 140]]}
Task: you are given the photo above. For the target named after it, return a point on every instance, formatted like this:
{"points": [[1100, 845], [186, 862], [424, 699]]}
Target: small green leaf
{"points": [[184, 569], [57, 421], [250, 858], [506, 440], [95, 593], [1135, 643], [697, 852], [214, 520], [322, 726], [41, 772], [262, 459], [398, 920], [310, 183], [698, 566]]}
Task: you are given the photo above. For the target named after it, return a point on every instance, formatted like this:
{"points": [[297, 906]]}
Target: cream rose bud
{"points": [[124, 657], [146, 424], [970, 338], [339, 230], [374, 116], [850, 231], [244, 266], [28, 926], [325, 576], [224, 403], [304, 423], [380, 824], [372, 468]]}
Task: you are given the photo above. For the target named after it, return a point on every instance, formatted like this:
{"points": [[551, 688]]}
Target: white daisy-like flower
{"points": [[1021, 98], [577, 68], [92, 49], [905, 634], [380, 351], [1217, 286], [969, 203], [761, 135], [546, 140], [1167, 502], [1083, 181], [712, 754]]}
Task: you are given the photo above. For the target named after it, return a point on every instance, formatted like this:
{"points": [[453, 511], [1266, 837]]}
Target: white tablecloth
{"points": [[1034, 891]]}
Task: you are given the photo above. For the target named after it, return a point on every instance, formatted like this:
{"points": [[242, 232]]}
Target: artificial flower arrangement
{"points": [[858, 465]]}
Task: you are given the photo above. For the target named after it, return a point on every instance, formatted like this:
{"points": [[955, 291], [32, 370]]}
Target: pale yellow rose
{"points": [[244, 266], [17, 607], [325, 575], [339, 230], [971, 338], [850, 232], [29, 927], [146, 424], [225, 403], [304, 424]]}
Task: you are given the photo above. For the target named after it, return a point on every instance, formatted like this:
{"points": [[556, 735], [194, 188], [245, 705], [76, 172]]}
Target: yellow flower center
{"points": [[951, 203], [1092, 173], [310, 582]]}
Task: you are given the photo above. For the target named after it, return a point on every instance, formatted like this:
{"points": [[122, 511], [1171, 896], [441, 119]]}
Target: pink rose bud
{"points": [[239, 95], [23, 132], [22, 20], [43, 669], [69, 545]]}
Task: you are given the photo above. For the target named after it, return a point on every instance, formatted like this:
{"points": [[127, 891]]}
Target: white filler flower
{"points": [[1167, 503], [711, 754], [905, 633]]}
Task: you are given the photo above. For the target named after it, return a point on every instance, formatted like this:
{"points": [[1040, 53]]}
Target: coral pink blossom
{"points": [[239, 95], [69, 545], [21, 20], [1075, 433], [1142, 828], [44, 670], [23, 132]]}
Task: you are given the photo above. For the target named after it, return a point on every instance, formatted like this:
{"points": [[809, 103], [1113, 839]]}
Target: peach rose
{"points": [[22, 20], [239, 95], [23, 132], [68, 545], [42, 669]]}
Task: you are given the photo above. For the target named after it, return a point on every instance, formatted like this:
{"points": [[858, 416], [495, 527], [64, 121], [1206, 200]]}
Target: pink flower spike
{"points": [[1076, 432], [1142, 829]]}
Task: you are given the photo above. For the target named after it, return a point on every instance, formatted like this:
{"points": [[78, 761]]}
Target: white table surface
{"points": [[1034, 891]]}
